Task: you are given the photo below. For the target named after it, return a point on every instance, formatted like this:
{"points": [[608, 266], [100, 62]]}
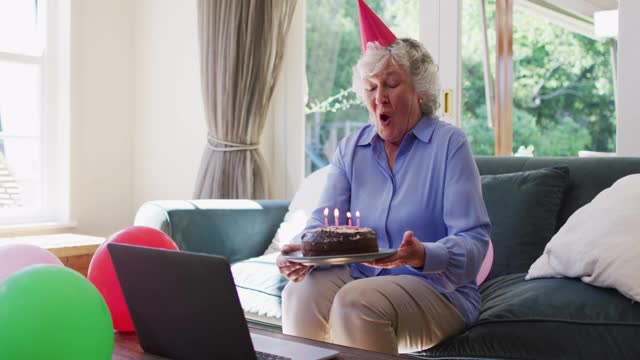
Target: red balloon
{"points": [[103, 276]]}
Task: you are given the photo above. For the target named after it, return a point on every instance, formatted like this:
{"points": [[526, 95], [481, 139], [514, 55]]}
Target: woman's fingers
{"points": [[292, 270], [406, 239], [299, 274], [394, 260], [293, 267]]}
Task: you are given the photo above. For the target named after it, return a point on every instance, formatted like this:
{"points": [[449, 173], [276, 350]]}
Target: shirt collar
{"points": [[423, 131], [367, 135], [425, 127]]}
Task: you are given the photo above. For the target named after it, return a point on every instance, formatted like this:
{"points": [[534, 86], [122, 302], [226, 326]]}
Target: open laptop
{"points": [[185, 306]]}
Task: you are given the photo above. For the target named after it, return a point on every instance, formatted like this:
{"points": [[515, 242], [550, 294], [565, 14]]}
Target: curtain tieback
{"points": [[212, 140]]}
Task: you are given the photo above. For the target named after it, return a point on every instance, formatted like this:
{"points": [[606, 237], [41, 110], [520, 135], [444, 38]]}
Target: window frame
{"points": [[504, 80], [53, 137]]}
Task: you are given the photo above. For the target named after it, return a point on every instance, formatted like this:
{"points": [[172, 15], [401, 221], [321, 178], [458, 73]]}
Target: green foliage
{"points": [[562, 92], [338, 102]]}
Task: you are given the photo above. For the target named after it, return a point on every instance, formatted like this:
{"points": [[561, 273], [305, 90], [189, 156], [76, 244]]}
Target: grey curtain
{"points": [[241, 50]]}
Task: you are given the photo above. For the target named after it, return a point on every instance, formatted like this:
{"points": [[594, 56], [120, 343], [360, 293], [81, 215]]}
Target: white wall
{"points": [[170, 130], [101, 115], [628, 130], [138, 128]]}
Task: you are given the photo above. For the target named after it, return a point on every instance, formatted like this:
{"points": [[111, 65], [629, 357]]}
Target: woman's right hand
{"points": [[292, 271]]}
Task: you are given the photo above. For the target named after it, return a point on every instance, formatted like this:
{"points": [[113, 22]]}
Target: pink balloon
{"points": [[14, 257], [485, 268]]}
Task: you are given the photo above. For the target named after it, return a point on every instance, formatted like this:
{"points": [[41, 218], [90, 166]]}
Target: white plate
{"points": [[338, 259]]}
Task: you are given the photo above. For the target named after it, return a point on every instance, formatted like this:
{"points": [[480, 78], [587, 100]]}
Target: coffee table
{"points": [[127, 348]]}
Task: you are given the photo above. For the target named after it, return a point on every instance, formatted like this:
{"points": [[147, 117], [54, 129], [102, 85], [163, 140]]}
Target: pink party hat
{"points": [[372, 28]]}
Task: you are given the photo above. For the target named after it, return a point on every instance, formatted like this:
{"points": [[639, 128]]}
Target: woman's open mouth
{"points": [[385, 119]]}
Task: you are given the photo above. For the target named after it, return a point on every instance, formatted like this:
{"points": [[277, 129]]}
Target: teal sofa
{"points": [[537, 319]]}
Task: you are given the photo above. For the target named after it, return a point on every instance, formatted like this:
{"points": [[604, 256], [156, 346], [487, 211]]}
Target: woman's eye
{"points": [[369, 89]]}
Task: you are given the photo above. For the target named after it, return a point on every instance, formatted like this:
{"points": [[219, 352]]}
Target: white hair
{"points": [[416, 60]]}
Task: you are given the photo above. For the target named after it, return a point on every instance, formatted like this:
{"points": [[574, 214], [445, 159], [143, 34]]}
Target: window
{"points": [[30, 165], [563, 89], [332, 49]]}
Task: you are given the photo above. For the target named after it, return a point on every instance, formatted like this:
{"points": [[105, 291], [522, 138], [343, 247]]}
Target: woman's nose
{"points": [[381, 96]]}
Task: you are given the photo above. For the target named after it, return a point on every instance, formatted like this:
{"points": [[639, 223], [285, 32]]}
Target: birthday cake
{"points": [[339, 240]]}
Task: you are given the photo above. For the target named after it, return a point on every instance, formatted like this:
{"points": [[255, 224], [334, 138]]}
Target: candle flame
{"points": [[349, 214], [336, 212], [326, 211], [357, 213]]}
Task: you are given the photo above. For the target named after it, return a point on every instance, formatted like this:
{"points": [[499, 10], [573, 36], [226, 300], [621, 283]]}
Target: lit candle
{"points": [[357, 218], [326, 217], [335, 215], [349, 218]]}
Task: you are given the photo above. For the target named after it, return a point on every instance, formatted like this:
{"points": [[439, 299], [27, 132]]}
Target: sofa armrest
{"points": [[235, 229]]}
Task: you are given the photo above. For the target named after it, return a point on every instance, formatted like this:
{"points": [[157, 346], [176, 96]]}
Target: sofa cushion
{"points": [[259, 285], [589, 176], [511, 297], [304, 202], [236, 229], [548, 319], [523, 208], [599, 242]]}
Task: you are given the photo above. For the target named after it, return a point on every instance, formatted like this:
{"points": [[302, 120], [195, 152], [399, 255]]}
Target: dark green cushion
{"points": [[547, 319], [511, 298], [589, 176], [235, 229], [523, 208]]}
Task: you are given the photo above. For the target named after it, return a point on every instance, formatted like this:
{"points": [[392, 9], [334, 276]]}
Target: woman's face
{"points": [[392, 102]]}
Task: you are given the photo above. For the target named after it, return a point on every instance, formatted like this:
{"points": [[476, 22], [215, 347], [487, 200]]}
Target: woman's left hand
{"points": [[410, 252]]}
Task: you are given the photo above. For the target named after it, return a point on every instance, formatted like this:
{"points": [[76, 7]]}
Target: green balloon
{"points": [[52, 312]]}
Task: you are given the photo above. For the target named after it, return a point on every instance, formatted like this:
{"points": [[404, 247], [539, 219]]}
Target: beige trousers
{"points": [[388, 314]]}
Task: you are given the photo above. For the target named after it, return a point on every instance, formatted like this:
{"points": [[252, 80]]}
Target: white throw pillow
{"points": [[302, 205], [600, 242]]}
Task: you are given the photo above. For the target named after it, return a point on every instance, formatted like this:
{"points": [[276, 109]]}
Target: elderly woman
{"points": [[415, 181]]}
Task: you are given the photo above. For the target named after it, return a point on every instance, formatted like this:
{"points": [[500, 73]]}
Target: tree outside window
{"points": [[563, 95]]}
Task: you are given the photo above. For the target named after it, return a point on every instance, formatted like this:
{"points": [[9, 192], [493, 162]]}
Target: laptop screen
{"points": [[183, 305]]}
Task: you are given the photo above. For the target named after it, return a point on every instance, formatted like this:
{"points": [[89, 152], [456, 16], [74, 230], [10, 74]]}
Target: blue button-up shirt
{"points": [[434, 190]]}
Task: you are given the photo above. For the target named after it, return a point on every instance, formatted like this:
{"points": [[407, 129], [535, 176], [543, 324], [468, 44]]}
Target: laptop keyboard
{"points": [[266, 356]]}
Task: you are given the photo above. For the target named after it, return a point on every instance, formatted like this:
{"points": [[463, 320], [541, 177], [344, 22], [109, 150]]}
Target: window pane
{"points": [[19, 26], [20, 104], [474, 119], [333, 47], [563, 99], [20, 165]]}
